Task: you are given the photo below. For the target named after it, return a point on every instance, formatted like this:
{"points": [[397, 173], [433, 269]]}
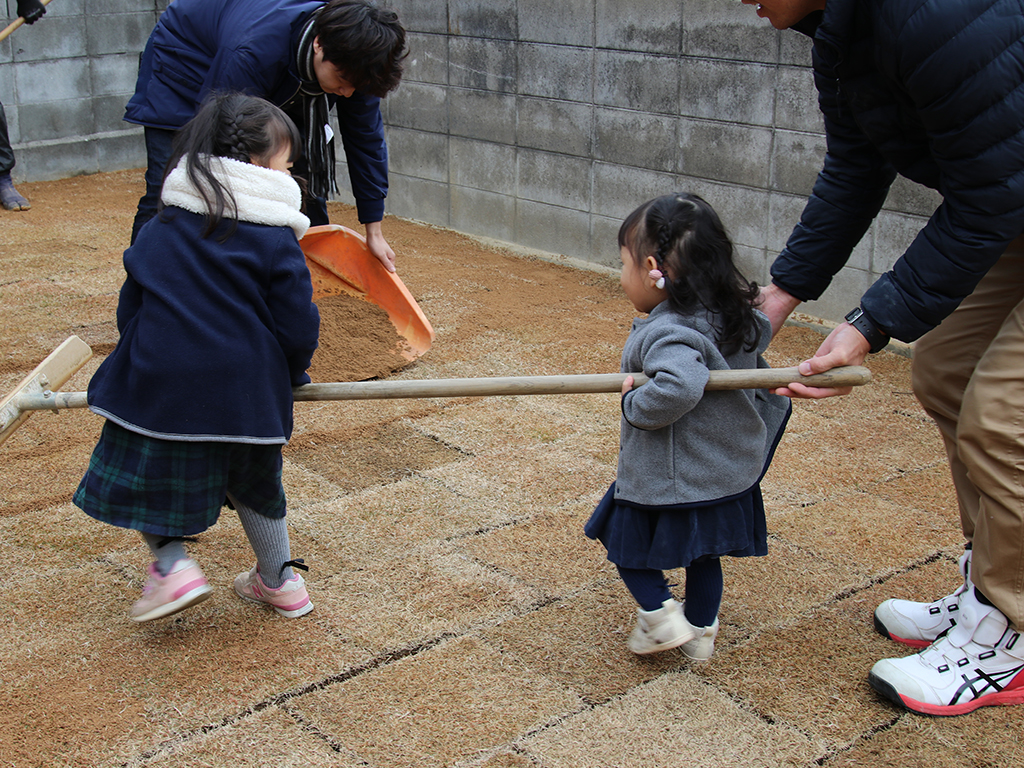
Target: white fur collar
{"points": [[263, 196]]}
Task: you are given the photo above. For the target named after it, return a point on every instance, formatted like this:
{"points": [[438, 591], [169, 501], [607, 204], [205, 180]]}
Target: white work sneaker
{"points": [[978, 663], [701, 648], [661, 629], [919, 624]]}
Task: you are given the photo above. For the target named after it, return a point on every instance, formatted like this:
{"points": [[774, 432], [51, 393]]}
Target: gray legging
{"points": [[268, 538]]}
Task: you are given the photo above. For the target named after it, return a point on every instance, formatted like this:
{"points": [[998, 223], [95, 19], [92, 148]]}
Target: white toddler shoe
{"points": [[660, 630], [701, 648]]}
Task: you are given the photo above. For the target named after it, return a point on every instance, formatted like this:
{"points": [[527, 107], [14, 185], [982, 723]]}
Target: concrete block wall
{"points": [[64, 82], [543, 124], [535, 123]]}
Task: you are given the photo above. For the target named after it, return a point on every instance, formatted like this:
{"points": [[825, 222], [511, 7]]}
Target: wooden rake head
{"points": [[49, 376]]}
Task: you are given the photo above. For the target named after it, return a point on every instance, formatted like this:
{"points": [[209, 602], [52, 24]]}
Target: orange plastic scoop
{"points": [[339, 261]]}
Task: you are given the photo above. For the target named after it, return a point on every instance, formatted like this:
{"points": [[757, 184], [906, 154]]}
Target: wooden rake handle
{"points": [[59, 366], [754, 378], [759, 378], [36, 393]]}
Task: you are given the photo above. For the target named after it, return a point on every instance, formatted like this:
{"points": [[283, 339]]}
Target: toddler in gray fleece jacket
{"points": [[687, 488]]}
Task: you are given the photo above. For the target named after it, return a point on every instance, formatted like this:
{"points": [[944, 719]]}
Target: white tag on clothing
{"points": [[328, 132]]}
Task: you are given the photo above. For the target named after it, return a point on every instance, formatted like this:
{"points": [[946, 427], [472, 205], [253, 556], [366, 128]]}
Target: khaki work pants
{"points": [[968, 374]]}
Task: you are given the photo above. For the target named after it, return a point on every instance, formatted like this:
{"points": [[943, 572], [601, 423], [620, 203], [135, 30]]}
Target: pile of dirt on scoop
{"points": [[357, 341]]}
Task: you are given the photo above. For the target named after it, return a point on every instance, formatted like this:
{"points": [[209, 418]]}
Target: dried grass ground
{"points": [[461, 616]]}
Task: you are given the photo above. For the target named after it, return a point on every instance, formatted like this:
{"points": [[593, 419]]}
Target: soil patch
{"points": [[357, 341]]}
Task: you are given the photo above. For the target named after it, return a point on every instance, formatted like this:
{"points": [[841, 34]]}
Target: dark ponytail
{"points": [[687, 240]]}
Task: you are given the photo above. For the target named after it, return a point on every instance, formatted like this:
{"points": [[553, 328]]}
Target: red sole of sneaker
{"points": [[880, 629], [1003, 698]]}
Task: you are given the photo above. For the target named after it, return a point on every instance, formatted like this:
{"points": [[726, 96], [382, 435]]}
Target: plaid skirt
{"points": [[172, 488]]}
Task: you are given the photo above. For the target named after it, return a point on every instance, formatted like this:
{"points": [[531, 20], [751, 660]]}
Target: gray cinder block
{"points": [[653, 26], [639, 81], [483, 213], [556, 71], [725, 151], [553, 228], [632, 138], [568, 22], [483, 115], [494, 19], [547, 177], [557, 126], [427, 61], [418, 153], [483, 165]]}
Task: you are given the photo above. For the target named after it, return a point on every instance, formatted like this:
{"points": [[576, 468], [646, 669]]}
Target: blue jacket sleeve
{"points": [[846, 197], [129, 302], [362, 135], [290, 301]]}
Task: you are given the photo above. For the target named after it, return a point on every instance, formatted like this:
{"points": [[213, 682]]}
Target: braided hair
{"points": [[238, 127], [687, 240]]}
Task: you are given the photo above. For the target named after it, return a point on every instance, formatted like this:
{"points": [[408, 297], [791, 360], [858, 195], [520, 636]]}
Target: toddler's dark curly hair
{"points": [[687, 240]]}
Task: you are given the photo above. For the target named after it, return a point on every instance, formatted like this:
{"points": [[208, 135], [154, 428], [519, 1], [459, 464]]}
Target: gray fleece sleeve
{"points": [[675, 362]]}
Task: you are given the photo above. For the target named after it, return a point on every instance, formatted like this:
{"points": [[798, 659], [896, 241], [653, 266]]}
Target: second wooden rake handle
{"points": [[754, 378], [15, 24]]}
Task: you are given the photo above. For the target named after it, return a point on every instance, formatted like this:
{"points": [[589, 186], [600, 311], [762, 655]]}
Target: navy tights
{"points": [[703, 589]]}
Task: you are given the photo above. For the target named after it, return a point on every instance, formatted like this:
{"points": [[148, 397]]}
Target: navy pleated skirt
{"points": [[667, 537]]}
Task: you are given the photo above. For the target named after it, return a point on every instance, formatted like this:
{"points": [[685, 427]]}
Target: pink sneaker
{"points": [[184, 586], [290, 599]]}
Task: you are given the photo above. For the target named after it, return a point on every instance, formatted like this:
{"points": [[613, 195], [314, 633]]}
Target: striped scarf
{"points": [[315, 109]]}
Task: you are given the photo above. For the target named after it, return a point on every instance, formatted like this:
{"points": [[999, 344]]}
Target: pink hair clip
{"points": [[659, 279]]}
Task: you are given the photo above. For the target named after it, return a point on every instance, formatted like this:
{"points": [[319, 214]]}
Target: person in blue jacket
{"points": [[932, 90], [305, 56], [217, 325]]}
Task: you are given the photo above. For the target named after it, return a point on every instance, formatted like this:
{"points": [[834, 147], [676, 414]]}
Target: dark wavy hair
{"points": [[687, 240], [236, 126], [365, 42]]}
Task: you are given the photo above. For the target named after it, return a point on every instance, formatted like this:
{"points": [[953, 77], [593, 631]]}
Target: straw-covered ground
{"points": [[462, 618]]}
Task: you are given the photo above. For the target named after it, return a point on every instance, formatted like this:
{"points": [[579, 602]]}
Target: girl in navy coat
{"points": [[217, 325]]}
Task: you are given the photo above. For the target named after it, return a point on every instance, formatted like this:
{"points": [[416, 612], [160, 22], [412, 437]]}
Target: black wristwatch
{"points": [[876, 338]]}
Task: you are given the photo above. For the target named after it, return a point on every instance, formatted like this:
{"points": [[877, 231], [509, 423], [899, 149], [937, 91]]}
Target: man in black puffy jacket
{"points": [[932, 90]]}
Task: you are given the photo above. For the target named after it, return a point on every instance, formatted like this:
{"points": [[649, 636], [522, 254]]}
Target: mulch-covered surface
{"points": [[461, 617]]}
